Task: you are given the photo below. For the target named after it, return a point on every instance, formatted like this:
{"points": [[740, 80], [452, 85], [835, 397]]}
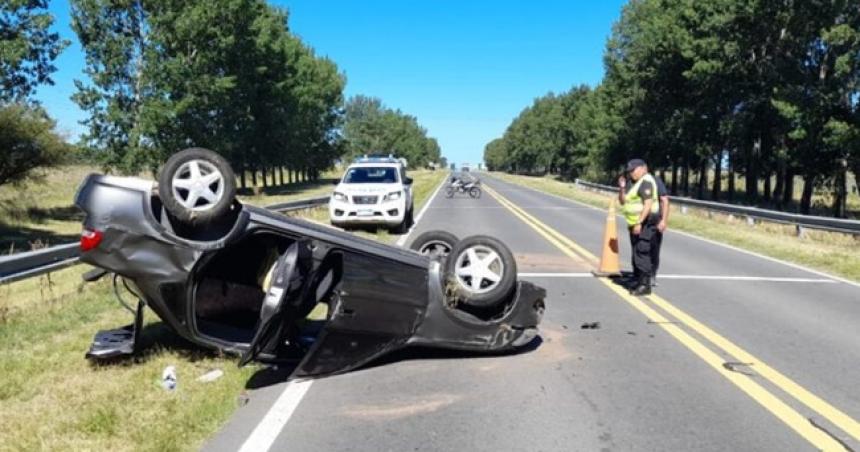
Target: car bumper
{"points": [[388, 213]]}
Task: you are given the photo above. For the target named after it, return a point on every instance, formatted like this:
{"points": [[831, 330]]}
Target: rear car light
{"points": [[90, 238]]}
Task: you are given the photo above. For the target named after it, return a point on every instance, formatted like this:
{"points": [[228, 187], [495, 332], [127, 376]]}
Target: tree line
{"points": [[27, 51], [164, 75], [223, 74], [371, 127], [763, 90]]}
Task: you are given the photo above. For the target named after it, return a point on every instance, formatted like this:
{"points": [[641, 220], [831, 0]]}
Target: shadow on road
{"points": [[278, 374]]}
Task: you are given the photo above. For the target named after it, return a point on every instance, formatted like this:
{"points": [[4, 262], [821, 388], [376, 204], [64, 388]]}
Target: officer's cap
{"points": [[635, 163]]}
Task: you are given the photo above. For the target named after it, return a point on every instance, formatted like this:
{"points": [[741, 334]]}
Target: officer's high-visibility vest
{"points": [[633, 204]]}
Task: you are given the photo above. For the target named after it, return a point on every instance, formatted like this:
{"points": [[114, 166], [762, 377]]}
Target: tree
{"points": [[27, 141], [370, 127], [27, 48], [763, 89], [225, 74], [114, 37]]}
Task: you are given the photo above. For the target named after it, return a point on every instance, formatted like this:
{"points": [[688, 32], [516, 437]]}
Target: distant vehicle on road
{"points": [[465, 183], [373, 190]]}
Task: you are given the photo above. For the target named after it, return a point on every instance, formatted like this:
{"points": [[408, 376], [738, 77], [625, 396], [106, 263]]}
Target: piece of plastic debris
{"points": [[211, 376], [590, 325], [168, 378]]}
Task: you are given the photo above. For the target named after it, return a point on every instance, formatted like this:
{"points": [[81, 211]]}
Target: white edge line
{"points": [[271, 425], [713, 242], [403, 238], [264, 435]]}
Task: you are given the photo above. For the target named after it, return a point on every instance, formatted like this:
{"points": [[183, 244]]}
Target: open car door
{"points": [[288, 282]]}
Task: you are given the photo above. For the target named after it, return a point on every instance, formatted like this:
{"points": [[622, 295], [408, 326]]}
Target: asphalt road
{"points": [[735, 352]]}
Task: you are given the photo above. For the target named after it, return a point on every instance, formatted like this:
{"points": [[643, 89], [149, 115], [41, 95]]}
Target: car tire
{"points": [[475, 192], [197, 186], [488, 283], [434, 243], [404, 225]]}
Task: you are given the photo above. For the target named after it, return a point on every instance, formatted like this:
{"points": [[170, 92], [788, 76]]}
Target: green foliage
{"points": [[764, 89], [27, 48], [225, 74], [543, 137], [370, 128], [27, 141]]}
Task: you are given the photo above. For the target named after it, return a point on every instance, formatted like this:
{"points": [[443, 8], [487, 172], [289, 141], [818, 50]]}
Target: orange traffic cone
{"points": [[609, 260]]}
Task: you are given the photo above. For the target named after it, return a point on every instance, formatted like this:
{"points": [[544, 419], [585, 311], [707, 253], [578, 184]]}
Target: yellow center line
{"points": [[774, 405]]}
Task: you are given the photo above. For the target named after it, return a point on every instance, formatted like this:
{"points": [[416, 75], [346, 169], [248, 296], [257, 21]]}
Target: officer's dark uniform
{"points": [[641, 244]]}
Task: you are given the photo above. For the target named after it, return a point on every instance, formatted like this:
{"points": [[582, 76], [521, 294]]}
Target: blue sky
{"points": [[465, 69]]}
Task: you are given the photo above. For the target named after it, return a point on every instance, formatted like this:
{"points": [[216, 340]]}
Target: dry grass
{"points": [[40, 212], [834, 253], [51, 398], [822, 199]]}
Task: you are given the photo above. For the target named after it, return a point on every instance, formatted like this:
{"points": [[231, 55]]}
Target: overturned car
{"points": [[277, 289]]}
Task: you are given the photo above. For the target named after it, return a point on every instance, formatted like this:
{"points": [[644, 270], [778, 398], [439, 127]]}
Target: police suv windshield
{"points": [[371, 175]]}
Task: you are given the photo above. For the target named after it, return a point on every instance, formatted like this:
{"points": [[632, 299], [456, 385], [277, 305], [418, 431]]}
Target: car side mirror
{"points": [[407, 180], [335, 181]]}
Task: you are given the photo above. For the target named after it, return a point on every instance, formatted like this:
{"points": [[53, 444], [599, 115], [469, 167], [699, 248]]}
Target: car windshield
{"points": [[371, 175]]}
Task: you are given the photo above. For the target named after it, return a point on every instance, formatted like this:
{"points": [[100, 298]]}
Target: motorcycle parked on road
{"points": [[470, 187]]}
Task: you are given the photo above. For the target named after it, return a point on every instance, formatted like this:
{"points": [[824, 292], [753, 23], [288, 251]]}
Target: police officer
{"points": [[641, 208]]}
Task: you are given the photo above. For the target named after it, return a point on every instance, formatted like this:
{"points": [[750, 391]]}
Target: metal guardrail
{"points": [[298, 205], [775, 216], [18, 266]]}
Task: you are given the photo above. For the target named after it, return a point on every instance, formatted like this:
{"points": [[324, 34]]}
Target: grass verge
{"points": [[41, 212], [838, 254], [51, 398]]}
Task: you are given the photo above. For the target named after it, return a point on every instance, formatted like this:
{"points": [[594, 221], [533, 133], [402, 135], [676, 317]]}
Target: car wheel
{"points": [[482, 270], [434, 243], [404, 225], [475, 192], [197, 186]]}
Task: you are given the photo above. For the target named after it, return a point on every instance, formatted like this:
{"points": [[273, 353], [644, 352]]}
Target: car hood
{"points": [[367, 189]]}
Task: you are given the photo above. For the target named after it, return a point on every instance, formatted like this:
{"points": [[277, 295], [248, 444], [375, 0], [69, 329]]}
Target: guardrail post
{"points": [[750, 221], [684, 210], [800, 231]]}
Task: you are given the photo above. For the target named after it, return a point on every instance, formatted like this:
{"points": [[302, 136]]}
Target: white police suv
{"points": [[373, 190]]}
